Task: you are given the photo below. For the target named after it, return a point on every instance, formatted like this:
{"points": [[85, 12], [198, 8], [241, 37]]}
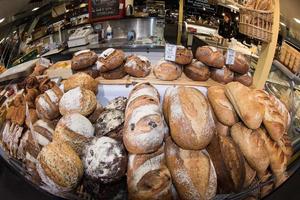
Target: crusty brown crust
{"points": [[83, 80], [223, 75], [83, 60], [244, 79], [184, 56], [116, 73], [240, 64], [137, 66], [167, 71], [210, 56], [112, 60], [197, 71]]}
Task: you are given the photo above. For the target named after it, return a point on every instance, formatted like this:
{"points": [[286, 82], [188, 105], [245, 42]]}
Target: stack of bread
{"points": [[84, 61]]}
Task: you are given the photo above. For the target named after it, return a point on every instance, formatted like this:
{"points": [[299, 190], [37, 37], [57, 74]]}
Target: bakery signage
{"points": [[105, 9], [197, 6]]}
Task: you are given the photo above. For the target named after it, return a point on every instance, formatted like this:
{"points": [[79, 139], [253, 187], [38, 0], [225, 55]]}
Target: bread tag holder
{"points": [[170, 52], [230, 57], [44, 62]]}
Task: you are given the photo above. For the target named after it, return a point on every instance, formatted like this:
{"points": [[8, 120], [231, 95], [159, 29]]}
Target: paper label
{"points": [[44, 62], [170, 52], [230, 57], [121, 6]]}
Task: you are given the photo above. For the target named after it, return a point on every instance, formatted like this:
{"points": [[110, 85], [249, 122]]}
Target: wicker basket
{"points": [[256, 23]]}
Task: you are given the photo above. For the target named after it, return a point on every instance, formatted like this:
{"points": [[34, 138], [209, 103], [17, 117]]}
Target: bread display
{"points": [[144, 125], [245, 79], [243, 100], [83, 59], [108, 121], [116, 73], [148, 176], [91, 71], [105, 160], [221, 106], [190, 118], [197, 71], [118, 103], [167, 71], [192, 172], [210, 56], [110, 59], [229, 164], [78, 100], [82, 80], [137, 66], [240, 65], [253, 148], [47, 104], [184, 56], [59, 167], [74, 129], [223, 75]]}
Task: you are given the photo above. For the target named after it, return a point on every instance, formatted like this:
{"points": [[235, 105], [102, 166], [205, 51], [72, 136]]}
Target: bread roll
{"points": [[222, 107], [82, 80], [184, 56], [223, 75], [47, 103], [137, 66], [59, 167], [74, 129], [197, 71], [253, 148], [110, 59], [148, 176], [210, 56], [192, 172], [78, 100], [190, 118], [229, 163], [240, 65], [167, 71], [83, 59], [245, 79], [243, 100]]}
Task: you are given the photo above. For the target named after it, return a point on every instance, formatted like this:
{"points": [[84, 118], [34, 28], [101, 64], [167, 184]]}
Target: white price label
{"points": [[44, 62], [170, 52], [230, 57]]}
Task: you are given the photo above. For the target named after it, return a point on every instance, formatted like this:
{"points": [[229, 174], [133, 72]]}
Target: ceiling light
{"points": [[36, 8], [237, 18], [282, 24], [14, 32], [2, 19], [297, 20], [223, 14], [2, 40], [204, 8]]}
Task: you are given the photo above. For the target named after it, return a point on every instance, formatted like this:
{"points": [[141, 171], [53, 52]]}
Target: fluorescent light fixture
{"points": [[297, 20], [14, 32], [237, 18], [204, 8], [282, 24], [2, 40], [2, 19], [36, 8], [223, 14]]}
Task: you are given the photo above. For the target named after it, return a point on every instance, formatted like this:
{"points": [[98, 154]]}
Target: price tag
{"points": [[170, 52], [44, 62], [230, 57]]}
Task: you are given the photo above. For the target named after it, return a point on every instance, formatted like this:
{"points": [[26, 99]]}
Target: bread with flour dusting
{"points": [[137, 66], [148, 177], [83, 59], [78, 100], [74, 129], [47, 103], [184, 56], [190, 118], [83, 80], [110, 59], [144, 125], [192, 172]]}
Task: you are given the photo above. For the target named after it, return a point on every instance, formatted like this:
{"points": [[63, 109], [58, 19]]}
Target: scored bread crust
{"points": [[137, 66], [83, 60], [210, 56], [184, 56], [111, 59], [167, 71], [83, 80]]}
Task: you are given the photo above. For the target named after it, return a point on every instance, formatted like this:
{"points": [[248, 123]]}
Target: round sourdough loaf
{"points": [[167, 71], [184, 56], [110, 59], [83, 59], [137, 66], [59, 167], [197, 71], [82, 80], [210, 56]]}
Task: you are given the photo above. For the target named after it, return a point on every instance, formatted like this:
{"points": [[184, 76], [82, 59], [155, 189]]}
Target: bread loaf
{"points": [[223, 75], [245, 79], [197, 71], [148, 177], [137, 66], [222, 129], [83, 59], [222, 107], [47, 103], [210, 56], [190, 118], [192, 172], [78, 100], [167, 71], [184, 56], [229, 163], [59, 167], [82, 80], [253, 148], [74, 129], [243, 100], [240, 65], [117, 73], [110, 59], [286, 146]]}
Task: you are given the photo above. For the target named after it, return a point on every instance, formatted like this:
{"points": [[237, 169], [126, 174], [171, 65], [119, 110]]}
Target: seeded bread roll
{"points": [[105, 160], [74, 129], [83, 59], [148, 177], [184, 56], [47, 103], [210, 56], [197, 71], [110, 59], [193, 172], [138, 66], [59, 167], [78, 100], [167, 71], [82, 80]]}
